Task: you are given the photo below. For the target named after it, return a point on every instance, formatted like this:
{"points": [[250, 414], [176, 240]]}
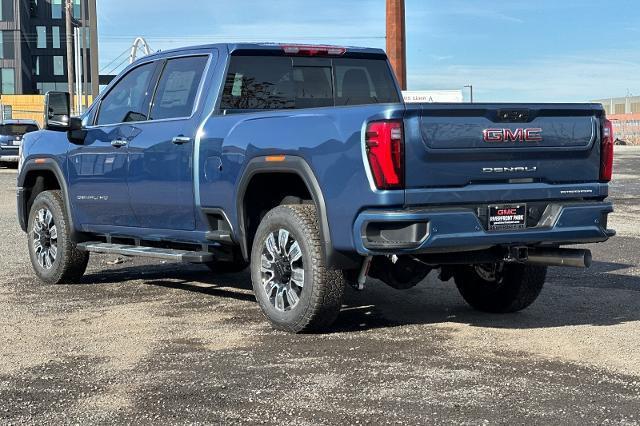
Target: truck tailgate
{"points": [[454, 145]]}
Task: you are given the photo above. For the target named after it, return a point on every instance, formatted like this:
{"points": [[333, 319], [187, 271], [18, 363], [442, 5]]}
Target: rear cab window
{"points": [[283, 82]]}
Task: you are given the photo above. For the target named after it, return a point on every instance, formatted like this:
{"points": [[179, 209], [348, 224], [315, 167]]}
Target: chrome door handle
{"points": [[181, 140], [119, 143]]}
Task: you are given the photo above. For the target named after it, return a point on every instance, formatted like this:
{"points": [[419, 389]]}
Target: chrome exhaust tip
{"points": [[576, 258]]}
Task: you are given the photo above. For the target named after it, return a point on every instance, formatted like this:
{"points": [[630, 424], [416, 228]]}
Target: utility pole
{"points": [[396, 40], [85, 56], [69, 31], [78, 60], [93, 49]]}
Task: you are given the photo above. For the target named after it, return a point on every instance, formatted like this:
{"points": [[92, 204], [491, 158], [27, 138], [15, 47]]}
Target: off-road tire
{"points": [[321, 296], [519, 286], [70, 263]]}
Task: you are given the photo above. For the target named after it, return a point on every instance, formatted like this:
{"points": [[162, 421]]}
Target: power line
{"points": [[125, 60], [117, 58]]}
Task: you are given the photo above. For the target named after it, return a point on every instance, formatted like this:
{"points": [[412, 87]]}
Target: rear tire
{"points": [[295, 289], [55, 258], [500, 288]]}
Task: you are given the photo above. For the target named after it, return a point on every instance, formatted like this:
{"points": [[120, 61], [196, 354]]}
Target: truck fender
{"points": [[50, 165], [298, 166]]}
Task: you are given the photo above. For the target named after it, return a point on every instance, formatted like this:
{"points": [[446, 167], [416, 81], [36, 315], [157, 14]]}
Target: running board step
{"points": [[152, 252]]}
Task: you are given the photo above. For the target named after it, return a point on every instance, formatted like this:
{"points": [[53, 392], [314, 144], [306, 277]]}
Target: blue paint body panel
{"points": [[154, 189]]}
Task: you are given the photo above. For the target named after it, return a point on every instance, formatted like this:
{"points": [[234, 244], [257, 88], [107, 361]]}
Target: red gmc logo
{"points": [[506, 212], [516, 135]]}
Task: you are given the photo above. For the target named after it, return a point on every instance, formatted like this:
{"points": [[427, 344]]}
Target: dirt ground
{"points": [[144, 342]]}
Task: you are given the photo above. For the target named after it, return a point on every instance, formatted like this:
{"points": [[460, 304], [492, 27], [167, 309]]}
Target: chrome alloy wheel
{"points": [[282, 270], [45, 238]]}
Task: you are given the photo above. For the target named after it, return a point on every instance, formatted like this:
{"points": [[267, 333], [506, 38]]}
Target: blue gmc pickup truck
{"points": [[304, 164]]}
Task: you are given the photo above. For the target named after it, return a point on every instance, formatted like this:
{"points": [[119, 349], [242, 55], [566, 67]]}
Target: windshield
{"points": [[17, 129]]}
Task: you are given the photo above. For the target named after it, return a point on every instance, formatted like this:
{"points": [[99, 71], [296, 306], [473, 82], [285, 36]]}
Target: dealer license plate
{"points": [[505, 217]]}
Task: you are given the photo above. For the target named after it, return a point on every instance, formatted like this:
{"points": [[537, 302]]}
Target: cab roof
{"points": [[272, 49]]}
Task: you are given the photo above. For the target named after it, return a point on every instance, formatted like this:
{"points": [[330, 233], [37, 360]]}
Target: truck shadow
{"points": [[600, 296], [597, 297]]}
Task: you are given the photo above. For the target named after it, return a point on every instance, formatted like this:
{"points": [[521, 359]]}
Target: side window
{"points": [[178, 88], [127, 101]]}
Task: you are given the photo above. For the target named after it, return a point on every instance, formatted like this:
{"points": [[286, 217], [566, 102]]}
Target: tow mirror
{"points": [[57, 111]]}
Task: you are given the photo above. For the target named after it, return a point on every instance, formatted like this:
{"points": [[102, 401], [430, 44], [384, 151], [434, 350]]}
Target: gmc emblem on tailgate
{"points": [[516, 135]]}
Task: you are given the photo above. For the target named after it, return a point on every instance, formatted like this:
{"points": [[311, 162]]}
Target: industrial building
{"points": [[623, 105], [33, 51], [624, 112]]}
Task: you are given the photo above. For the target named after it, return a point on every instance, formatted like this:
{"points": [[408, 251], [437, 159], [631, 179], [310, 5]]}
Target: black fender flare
{"points": [[50, 165], [299, 167]]}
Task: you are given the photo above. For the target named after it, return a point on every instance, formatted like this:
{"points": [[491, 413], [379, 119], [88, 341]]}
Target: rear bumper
{"points": [[9, 154], [7, 157], [460, 229]]}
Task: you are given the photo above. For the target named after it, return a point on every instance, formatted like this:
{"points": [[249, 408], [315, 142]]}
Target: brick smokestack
{"points": [[396, 40]]}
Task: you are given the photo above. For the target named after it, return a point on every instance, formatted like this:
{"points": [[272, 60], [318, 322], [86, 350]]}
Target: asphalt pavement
{"points": [[148, 342]]}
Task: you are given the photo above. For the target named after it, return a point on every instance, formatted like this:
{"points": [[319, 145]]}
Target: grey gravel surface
{"points": [[159, 343]]}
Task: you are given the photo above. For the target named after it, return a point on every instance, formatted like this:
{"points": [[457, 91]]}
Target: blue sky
{"points": [[510, 50]]}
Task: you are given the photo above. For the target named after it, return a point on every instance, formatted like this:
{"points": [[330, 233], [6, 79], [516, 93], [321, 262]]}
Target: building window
{"points": [[58, 65], [7, 49], [36, 66], [8, 81], [76, 9], [56, 9], [42, 37], [6, 10], [56, 37]]}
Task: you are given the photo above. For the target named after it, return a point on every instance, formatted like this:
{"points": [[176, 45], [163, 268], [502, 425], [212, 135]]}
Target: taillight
{"points": [[384, 143], [606, 151], [313, 50]]}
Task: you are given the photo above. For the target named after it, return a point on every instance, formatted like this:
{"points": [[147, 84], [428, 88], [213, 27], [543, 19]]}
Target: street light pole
{"points": [[470, 87]]}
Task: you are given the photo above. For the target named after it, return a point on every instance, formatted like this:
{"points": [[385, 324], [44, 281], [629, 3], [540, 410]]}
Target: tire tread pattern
{"points": [[328, 284], [71, 263]]}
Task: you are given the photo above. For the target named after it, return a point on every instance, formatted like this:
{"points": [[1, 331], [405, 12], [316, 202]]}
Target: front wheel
{"points": [[500, 287], [294, 287], [54, 257]]}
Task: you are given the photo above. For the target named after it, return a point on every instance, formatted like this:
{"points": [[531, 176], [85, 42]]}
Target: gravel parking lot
{"points": [[144, 342]]}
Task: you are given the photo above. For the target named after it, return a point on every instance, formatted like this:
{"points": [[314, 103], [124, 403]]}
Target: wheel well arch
{"points": [[35, 182], [35, 178], [265, 185]]}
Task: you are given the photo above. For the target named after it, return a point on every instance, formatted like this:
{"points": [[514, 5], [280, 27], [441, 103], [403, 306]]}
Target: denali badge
{"points": [[516, 135], [519, 169]]}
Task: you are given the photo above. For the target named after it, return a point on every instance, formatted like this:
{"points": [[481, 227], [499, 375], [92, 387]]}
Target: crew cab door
{"points": [[98, 167], [161, 156]]}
